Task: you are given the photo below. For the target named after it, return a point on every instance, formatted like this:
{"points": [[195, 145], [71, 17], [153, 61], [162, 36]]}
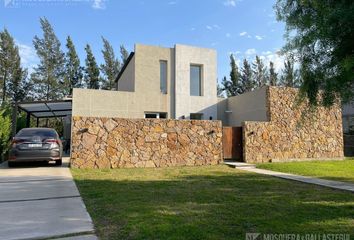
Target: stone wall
{"points": [[128, 143], [293, 132]]}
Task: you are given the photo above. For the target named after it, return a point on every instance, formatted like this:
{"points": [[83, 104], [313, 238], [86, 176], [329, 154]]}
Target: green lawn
{"points": [[211, 202], [333, 170]]}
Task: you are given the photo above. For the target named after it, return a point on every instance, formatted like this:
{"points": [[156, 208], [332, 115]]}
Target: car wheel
{"points": [[11, 164], [58, 162]]}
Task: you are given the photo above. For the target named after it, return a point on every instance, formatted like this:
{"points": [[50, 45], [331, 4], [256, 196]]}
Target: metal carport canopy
{"points": [[47, 109]]}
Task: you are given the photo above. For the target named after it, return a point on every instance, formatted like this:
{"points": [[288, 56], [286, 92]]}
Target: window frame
{"points": [[166, 75], [201, 79], [196, 114], [159, 115]]}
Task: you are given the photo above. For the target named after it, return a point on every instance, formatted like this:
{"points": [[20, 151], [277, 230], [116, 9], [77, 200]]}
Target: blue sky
{"points": [[242, 27]]}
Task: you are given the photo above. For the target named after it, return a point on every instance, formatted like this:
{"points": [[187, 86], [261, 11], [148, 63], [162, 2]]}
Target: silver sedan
{"points": [[36, 144]]}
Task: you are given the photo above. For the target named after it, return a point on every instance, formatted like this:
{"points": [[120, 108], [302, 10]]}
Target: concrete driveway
{"points": [[40, 201]]}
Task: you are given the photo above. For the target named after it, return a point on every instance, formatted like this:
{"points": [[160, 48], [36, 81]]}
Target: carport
{"points": [[42, 109]]}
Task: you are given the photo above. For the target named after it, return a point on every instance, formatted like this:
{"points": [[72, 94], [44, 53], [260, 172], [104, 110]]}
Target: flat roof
{"points": [[47, 109]]}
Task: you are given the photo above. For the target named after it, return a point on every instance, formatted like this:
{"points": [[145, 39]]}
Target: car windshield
{"points": [[43, 133]]}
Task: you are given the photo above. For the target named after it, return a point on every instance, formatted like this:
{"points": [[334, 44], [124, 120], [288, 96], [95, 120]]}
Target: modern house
{"points": [[117, 128]]}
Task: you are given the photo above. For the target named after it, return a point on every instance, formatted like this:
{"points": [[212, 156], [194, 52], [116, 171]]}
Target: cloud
{"points": [[28, 56], [250, 51], [258, 37], [172, 3], [192, 28], [275, 57], [228, 35], [243, 33], [213, 27], [230, 3], [98, 4]]}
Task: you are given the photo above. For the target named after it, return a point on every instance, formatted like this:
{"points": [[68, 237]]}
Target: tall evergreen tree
{"points": [[48, 76], [13, 77], [124, 54], [247, 77], [19, 86], [289, 76], [260, 72], [111, 65], [7, 59], [73, 70], [92, 71], [232, 87], [273, 75]]}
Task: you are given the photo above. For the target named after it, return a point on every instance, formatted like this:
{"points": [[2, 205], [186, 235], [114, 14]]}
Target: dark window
{"points": [[196, 80], [156, 115], [196, 116], [150, 115], [43, 133], [163, 76]]}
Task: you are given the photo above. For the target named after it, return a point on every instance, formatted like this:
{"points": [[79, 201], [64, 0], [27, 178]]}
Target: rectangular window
{"points": [[162, 115], [163, 76], [196, 80], [196, 116]]}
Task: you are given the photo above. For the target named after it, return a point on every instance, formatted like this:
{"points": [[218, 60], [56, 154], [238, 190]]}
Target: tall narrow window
{"points": [[163, 76], [196, 80]]}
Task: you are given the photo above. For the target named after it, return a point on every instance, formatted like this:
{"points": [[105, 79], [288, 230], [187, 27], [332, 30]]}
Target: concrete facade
{"points": [[139, 86], [185, 103]]}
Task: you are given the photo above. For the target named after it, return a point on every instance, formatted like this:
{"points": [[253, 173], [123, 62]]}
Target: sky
{"points": [[242, 27]]}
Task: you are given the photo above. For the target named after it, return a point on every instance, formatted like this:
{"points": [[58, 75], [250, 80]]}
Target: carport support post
{"points": [[14, 120], [37, 122], [28, 120]]}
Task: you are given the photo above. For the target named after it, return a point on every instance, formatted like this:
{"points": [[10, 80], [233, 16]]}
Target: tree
{"points": [[260, 72], [321, 34], [273, 76], [111, 65], [73, 70], [13, 77], [48, 76], [92, 72], [246, 77], [289, 76], [232, 87], [219, 90], [19, 87], [7, 59], [124, 54], [5, 132]]}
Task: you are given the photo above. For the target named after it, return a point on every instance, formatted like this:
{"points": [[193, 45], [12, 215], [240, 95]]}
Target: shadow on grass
{"points": [[213, 205]]}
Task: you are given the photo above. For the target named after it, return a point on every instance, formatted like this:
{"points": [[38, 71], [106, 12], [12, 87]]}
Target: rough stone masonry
{"points": [[128, 143], [292, 131]]}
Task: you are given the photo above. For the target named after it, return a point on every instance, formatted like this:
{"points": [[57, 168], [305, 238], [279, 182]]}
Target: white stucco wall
{"points": [[186, 104], [250, 106]]}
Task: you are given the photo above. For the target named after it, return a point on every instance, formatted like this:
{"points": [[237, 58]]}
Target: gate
{"points": [[232, 143]]}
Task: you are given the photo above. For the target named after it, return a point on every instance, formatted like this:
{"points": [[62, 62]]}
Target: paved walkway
{"points": [[41, 201], [322, 182]]}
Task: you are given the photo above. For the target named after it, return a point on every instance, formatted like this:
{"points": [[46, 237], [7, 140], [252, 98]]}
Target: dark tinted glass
{"points": [[43, 133]]}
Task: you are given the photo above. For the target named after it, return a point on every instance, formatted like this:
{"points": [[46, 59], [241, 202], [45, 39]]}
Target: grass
{"points": [[210, 202], [332, 170]]}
